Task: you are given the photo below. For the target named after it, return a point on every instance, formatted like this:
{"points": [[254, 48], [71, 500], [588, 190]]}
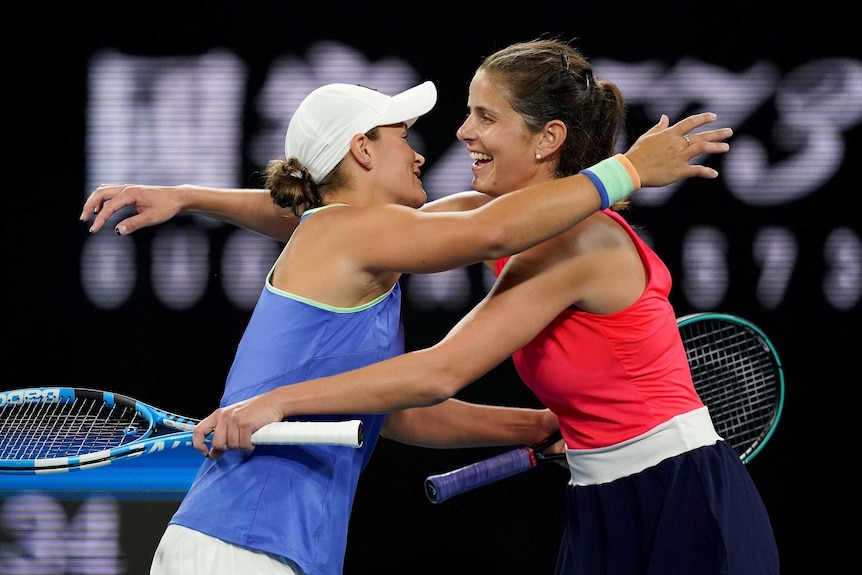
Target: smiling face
{"points": [[503, 150], [397, 166]]}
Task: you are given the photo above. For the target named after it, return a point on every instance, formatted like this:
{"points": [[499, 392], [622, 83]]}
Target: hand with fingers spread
{"points": [[661, 156]]}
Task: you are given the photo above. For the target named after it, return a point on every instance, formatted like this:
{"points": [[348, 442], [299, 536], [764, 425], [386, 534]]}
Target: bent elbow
{"points": [[443, 374], [500, 242], [446, 387]]}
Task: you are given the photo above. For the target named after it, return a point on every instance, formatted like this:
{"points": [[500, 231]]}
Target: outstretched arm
{"points": [[247, 208], [521, 219], [251, 209]]}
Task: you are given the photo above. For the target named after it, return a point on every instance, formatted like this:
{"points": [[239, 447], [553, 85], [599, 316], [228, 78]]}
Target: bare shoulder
{"points": [[601, 232], [596, 233]]}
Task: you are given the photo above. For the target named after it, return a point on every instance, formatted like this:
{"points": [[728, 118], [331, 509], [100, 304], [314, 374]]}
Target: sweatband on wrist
{"points": [[614, 178]]}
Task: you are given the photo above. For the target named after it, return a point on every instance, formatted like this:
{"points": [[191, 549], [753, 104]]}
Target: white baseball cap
{"points": [[320, 131]]}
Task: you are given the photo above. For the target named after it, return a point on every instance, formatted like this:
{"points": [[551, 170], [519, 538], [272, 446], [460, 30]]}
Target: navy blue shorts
{"points": [[698, 513]]}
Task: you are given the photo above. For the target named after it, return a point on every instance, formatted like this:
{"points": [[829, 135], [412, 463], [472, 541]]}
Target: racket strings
{"points": [[51, 430], [736, 376]]}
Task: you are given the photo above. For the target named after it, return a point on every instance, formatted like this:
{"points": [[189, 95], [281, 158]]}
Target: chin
{"points": [[487, 190]]}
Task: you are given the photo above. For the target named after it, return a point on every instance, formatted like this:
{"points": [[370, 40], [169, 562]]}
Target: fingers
{"points": [[699, 171], [663, 156], [103, 203], [711, 135], [95, 202], [109, 210], [689, 124], [663, 123], [698, 146], [693, 122], [710, 142], [153, 205], [220, 432], [201, 434], [558, 447]]}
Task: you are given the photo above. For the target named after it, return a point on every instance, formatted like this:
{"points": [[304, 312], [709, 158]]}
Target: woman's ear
{"points": [[553, 135], [360, 150]]}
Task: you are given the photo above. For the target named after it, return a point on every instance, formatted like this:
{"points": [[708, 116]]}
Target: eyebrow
{"points": [[482, 110]]}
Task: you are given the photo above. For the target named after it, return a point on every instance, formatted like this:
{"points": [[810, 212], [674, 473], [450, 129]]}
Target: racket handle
{"points": [[444, 486], [344, 433]]}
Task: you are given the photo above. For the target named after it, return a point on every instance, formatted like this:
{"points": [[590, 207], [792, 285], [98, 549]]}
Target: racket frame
{"points": [[750, 450], [165, 431]]}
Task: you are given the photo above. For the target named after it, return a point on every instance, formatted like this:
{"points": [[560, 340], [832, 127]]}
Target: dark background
{"points": [[808, 474]]}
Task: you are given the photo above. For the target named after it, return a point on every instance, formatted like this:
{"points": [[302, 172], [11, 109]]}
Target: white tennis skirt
{"points": [[184, 551]]}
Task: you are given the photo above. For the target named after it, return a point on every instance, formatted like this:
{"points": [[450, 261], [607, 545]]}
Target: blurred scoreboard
{"points": [[105, 520]]}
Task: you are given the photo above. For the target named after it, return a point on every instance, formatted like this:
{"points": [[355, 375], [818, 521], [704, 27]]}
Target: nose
{"points": [[463, 132], [420, 159]]}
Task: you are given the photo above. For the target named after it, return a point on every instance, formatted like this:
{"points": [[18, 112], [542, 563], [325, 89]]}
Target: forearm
{"points": [[509, 224], [535, 214], [455, 423], [410, 380], [424, 377], [252, 209]]}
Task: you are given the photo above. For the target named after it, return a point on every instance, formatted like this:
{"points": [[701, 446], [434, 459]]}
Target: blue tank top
{"points": [[294, 501]]}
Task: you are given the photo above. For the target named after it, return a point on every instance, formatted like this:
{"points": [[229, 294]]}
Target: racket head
{"points": [[60, 428], [738, 375]]}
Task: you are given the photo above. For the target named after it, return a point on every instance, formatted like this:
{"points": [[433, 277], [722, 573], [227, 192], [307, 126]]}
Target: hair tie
{"points": [[564, 59]]}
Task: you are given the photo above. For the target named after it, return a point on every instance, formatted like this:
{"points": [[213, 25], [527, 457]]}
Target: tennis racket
{"points": [[738, 376], [59, 429], [736, 372]]}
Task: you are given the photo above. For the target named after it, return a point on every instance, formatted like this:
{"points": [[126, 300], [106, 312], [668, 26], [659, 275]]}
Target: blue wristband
{"points": [[612, 180]]}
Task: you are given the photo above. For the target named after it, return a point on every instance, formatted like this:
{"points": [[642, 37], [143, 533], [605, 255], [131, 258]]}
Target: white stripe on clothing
{"points": [[677, 435]]}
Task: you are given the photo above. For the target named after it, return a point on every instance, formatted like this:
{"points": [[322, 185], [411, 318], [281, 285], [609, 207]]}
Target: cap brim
{"points": [[410, 104]]}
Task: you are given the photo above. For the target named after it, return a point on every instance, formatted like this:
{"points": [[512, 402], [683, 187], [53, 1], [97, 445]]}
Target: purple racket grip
{"points": [[444, 486]]}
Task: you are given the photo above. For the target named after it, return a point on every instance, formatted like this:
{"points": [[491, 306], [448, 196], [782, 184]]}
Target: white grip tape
{"points": [[343, 433]]}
